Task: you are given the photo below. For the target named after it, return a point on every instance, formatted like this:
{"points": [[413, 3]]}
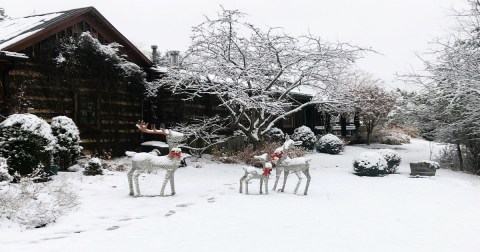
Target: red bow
{"points": [[277, 155], [175, 153], [266, 172]]}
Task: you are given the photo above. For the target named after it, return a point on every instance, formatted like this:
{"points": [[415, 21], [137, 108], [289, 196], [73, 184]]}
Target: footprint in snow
{"points": [[184, 205], [170, 213]]}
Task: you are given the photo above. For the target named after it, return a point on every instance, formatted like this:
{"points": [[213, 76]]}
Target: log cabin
{"points": [[103, 107]]}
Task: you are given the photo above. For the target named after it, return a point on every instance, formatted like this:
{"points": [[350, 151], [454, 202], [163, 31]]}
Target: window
{"points": [[289, 121], [87, 109]]}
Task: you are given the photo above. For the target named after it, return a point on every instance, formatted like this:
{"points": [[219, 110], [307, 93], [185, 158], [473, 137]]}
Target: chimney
{"points": [[154, 55], [173, 55]]}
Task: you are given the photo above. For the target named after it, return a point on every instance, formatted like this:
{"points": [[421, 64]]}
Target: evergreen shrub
{"points": [[275, 135], [369, 164], [93, 167], [306, 135], [330, 144], [26, 141], [68, 148], [393, 160]]}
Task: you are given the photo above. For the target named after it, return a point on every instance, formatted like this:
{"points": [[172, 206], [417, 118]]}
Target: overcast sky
{"points": [[395, 28]]}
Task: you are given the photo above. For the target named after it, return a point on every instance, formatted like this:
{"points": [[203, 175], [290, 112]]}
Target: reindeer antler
{"points": [[143, 127]]}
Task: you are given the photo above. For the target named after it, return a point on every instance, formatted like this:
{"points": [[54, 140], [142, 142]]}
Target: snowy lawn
{"points": [[342, 212]]}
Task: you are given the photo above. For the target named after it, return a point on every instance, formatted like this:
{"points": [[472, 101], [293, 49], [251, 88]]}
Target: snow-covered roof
{"points": [[14, 32], [12, 55], [16, 29]]}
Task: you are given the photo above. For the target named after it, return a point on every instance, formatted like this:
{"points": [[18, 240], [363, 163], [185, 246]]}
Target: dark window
{"points": [[87, 109], [289, 121]]}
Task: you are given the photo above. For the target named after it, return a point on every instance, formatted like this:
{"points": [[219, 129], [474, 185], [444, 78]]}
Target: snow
{"points": [[33, 124], [371, 159], [343, 212], [390, 155], [432, 164], [4, 176], [13, 54], [14, 30], [296, 161], [159, 144], [95, 161], [330, 138]]}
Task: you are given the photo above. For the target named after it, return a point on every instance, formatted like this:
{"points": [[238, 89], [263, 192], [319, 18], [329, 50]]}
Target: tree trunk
{"points": [[460, 158], [369, 132], [343, 125]]}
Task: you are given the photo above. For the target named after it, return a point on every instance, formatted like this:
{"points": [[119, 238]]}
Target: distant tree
{"points": [[254, 72], [369, 101], [451, 88]]}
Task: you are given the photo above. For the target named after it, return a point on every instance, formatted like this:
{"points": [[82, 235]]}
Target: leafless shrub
{"points": [[246, 155], [35, 205]]}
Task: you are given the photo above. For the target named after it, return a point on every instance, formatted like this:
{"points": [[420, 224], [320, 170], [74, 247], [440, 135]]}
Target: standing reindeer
{"points": [[150, 162], [256, 173], [286, 164]]}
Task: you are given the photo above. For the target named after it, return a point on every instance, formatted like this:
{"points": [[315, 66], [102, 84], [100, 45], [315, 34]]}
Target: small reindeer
{"points": [[286, 164], [257, 173]]}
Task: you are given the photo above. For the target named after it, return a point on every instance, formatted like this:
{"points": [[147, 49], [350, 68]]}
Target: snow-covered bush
{"points": [[4, 176], [68, 146], [36, 204], [330, 144], [393, 160], [369, 164], [306, 135], [27, 142], [93, 167], [275, 135]]}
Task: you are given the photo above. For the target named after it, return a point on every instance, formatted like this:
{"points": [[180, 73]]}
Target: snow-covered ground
{"points": [[342, 212]]}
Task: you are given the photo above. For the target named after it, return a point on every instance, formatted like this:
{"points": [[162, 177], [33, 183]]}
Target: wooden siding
{"points": [[115, 113]]}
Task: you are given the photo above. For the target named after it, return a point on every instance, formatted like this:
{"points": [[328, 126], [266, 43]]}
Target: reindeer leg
{"points": [[285, 176], [246, 184], [130, 180], [300, 178], [266, 184], [277, 174], [307, 174], [137, 185], [165, 180], [261, 184], [242, 179], [172, 182]]}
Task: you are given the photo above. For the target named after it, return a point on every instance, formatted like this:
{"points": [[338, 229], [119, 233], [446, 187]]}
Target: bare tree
{"points": [[372, 104], [254, 72]]}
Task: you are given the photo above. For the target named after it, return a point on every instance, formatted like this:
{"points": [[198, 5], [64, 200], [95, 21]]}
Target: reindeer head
{"points": [[267, 168], [282, 151]]}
